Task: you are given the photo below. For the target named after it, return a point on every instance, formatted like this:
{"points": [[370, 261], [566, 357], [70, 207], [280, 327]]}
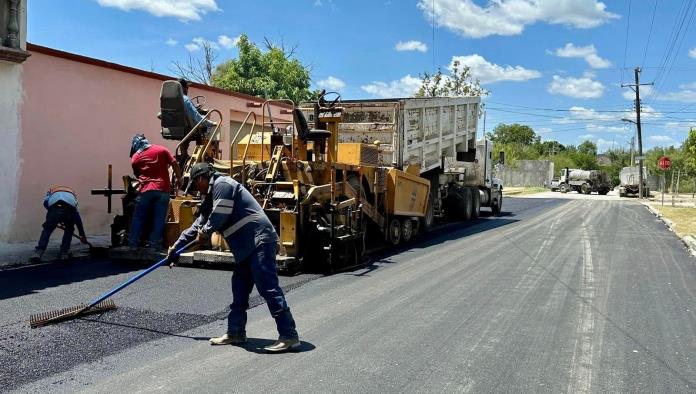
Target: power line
{"points": [[647, 43], [628, 26]]}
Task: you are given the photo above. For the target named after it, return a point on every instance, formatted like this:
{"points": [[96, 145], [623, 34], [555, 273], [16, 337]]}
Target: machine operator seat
{"points": [[176, 122], [304, 133]]}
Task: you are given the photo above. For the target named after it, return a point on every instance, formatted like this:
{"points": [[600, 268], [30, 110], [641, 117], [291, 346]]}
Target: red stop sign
{"points": [[664, 163]]}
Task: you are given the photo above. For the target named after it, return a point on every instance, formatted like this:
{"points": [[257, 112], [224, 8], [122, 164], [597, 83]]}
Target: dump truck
{"points": [[434, 138], [584, 181], [629, 181]]}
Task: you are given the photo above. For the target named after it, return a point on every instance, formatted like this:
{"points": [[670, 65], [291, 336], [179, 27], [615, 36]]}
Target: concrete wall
{"points": [[11, 98], [78, 116], [528, 173]]}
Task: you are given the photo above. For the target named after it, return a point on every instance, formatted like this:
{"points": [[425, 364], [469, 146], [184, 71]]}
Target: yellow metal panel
{"points": [[407, 194], [288, 233]]}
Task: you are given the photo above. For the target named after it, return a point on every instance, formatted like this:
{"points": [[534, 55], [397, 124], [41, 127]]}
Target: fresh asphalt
{"points": [[555, 295]]}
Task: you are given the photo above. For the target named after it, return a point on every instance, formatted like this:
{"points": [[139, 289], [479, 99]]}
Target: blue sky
{"points": [[556, 65]]}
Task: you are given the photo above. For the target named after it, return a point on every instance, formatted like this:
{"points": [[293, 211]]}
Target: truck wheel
{"points": [[476, 212], [407, 230], [585, 189], [468, 202], [563, 188], [394, 234], [497, 205], [426, 222]]}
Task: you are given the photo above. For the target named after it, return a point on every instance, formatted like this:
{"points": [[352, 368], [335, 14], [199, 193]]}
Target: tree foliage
{"points": [[459, 83], [514, 134], [273, 73]]}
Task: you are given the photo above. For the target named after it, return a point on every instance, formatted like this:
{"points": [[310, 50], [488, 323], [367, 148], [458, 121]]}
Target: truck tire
{"points": [[407, 230], [585, 188], [476, 211], [604, 192], [458, 205], [394, 234], [497, 204], [563, 188], [468, 199]]}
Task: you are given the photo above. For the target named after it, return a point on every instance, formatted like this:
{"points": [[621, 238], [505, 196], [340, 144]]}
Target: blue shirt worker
{"points": [[191, 109], [231, 210], [61, 205]]}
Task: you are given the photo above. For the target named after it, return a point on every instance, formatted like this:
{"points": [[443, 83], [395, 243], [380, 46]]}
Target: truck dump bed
{"points": [[419, 131]]}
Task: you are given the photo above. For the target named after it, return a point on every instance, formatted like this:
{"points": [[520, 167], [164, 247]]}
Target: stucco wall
{"points": [[10, 102], [528, 173], [76, 119]]}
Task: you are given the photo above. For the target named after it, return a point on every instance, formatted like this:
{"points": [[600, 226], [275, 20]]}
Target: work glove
{"points": [[201, 239], [172, 256]]}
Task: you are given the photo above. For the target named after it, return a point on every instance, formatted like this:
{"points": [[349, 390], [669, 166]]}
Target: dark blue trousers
{"points": [[259, 269]]}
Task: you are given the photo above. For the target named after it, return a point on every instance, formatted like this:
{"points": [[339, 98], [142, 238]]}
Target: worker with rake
{"points": [[231, 210]]}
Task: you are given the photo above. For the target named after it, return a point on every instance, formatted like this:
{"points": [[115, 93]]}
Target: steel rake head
{"points": [[59, 315]]}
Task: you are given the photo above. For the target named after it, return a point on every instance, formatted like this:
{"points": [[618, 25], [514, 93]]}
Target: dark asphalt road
{"points": [[554, 296]]}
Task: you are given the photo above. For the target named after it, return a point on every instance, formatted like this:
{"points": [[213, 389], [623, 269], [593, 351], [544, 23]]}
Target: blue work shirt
{"points": [[70, 199], [194, 114], [231, 210]]}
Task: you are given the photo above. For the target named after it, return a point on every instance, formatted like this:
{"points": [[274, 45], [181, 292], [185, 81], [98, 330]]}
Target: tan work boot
{"points": [[283, 345], [228, 339]]}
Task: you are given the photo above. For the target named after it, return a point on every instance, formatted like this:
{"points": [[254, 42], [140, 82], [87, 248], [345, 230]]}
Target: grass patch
{"points": [[684, 219], [518, 191]]}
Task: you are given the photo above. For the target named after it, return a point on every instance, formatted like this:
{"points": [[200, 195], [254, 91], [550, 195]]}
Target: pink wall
{"points": [[78, 117]]}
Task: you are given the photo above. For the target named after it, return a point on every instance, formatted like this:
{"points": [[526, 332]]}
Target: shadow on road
{"points": [[447, 232], [256, 345], [27, 280]]}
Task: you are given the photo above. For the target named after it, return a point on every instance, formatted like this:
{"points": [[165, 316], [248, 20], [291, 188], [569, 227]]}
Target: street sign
{"points": [[640, 158], [664, 163]]}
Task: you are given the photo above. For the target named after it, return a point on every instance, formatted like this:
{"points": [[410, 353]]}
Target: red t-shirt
{"points": [[152, 167]]}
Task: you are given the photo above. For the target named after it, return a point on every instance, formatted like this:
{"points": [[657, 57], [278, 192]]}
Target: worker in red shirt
{"points": [[151, 165]]}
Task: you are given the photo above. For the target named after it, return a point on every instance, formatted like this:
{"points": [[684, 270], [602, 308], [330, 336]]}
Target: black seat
{"points": [[176, 122], [304, 133]]}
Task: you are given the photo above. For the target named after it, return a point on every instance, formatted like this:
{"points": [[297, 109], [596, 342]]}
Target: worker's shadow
{"points": [[256, 345]]}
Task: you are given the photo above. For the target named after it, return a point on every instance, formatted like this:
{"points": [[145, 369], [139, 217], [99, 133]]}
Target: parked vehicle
{"points": [[584, 181], [555, 184], [629, 181]]}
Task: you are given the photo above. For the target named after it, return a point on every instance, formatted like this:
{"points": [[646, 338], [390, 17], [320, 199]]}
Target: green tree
{"points": [[689, 152], [459, 83], [514, 133], [588, 147], [273, 73]]}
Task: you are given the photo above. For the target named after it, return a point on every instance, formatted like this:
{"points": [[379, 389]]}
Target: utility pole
{"points": [[636, 88], [633, 143]]}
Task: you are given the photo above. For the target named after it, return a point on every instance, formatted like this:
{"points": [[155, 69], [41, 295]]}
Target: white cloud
{"points": [[645, 91], [411, 46], [661, 139], [589, 53], [692, 53], [171, 42], [197, 44], [184, 10], [587, 137], [583, 87], [488, 72], [227, 42], [684, 96], [404, 87], [593, 128], [331, 83], [510, 17], [687, 86]]}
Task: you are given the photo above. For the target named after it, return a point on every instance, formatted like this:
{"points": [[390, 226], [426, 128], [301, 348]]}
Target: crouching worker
{"points": [[61, 205], [230, 209]]}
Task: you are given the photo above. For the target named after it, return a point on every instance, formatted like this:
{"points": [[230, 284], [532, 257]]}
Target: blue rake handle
{"points": [[133, 279]]}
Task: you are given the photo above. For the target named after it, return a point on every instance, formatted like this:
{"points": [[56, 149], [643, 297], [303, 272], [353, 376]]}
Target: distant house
{"points": [[603, 160]]}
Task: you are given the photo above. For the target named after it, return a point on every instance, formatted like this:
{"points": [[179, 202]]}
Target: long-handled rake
{"points": [[98, 305]]}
